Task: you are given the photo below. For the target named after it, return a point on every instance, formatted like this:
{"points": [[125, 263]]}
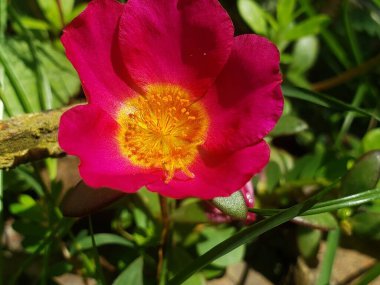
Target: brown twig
{"points": [[347, 75], [60, 10], [29, 138]]}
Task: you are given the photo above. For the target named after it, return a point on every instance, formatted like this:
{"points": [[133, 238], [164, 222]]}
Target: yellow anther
{"points": [[152, 134]]}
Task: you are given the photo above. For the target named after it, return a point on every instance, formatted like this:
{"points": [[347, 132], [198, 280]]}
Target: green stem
{"points": [[99, 271], [88, 265], [351, 34], [163, 249], [358, 99], [329, 257]]}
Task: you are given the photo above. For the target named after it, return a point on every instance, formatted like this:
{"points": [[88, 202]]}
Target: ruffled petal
{"points": [[183, 42], [217, 175], [246, 101], [90, 41], [90, 133]]}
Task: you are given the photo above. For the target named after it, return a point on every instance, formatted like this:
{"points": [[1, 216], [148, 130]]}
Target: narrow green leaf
{"points": [[253, 15], [57, 12], [43, 85], [3, 18], [99, 270], [329, 257], [212, 236], [311, 26], [85, 243], [332, 42], [372, 273], [331, 205], [285, 9], [247, 235], [323, 100], [133, 274], [19, 89]]}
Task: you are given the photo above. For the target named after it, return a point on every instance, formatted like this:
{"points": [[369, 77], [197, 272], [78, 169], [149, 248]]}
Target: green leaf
{"points": [[364, 175], [57, 15], [322, 221], [253, 15], [308, 242], [272, 176], [83, 200], [133, 274], [331, 205], [371, 140], [33, 23], [285, 10], [373, 272], [213, 236], [247, 235], [85, 243], [288, 125], [178, 258], [305, 54], [311, 26], [366, 224], [233, 205], [323, 100], [190, 212], [329, 257], [21, 77]]}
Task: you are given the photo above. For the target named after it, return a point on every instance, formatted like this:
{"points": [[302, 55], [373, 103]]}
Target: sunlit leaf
{"points": [[133, 274]]}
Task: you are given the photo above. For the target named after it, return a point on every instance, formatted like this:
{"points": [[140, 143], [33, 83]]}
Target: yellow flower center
{"points": [[162, 129]]}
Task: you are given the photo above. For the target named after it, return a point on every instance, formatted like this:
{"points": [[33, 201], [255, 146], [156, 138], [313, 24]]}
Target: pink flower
{"points": [[175, 102]]}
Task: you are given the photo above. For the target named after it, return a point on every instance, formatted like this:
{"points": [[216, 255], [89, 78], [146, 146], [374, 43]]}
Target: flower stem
{"points": [[162, 251]]}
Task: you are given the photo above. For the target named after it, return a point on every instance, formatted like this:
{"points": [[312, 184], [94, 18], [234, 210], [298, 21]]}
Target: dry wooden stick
{"points": [[29, 137]]}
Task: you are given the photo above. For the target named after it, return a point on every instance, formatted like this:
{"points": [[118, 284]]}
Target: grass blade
{"points": [[332, 205], [43, 85], [328, 260], [324, 100], [370, 275], [247, 235], [3, 18], [21, 94], [99, 271]]}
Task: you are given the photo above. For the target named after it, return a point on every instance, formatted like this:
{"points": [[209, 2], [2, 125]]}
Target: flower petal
{"points": [[246, 101], [217, 175], [91, 46], [184, 42], [89, 133]]}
